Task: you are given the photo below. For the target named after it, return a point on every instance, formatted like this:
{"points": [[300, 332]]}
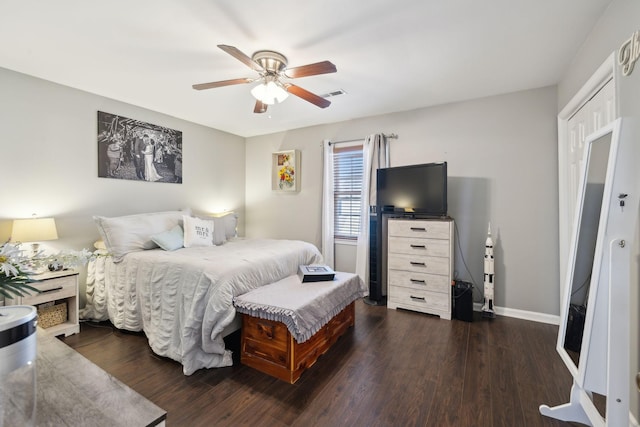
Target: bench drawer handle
{"points": [[418, 229], [417, 263], [418, 281], [267, 330], [418, 246], [417, 298]]}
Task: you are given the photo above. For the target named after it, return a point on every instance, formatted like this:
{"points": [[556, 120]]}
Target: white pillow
{"points": [[219, 236], [218, 228], [170, 240], [230, 223], [224, 226], [197, 232], [124, 234]]}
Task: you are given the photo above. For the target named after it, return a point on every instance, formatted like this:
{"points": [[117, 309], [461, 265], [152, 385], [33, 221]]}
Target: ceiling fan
{"points": [[272, 67]]}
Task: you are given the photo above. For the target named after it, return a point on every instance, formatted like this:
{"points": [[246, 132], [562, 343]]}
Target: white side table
{"points": [[55, 286]]}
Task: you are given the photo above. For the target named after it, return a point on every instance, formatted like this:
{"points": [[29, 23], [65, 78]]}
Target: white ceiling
{"points": [[390, 56]]}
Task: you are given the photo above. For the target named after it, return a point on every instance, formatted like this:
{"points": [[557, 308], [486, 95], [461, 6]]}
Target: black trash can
{"points": [[575, 327], [463, 301]]}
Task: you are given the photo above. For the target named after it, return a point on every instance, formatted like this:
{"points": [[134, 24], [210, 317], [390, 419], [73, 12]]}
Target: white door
{"points": [[594, 113], [598, 112]]}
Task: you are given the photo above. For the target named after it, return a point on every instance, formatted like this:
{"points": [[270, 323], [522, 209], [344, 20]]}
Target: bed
{"points": [[182, 298]]}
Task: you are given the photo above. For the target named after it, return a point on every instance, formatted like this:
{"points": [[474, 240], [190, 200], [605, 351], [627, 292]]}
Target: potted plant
{"points": [[13, 279]]}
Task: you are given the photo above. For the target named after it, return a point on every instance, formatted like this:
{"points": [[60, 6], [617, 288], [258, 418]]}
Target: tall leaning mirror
{"points": [[593, 338], [582, 337]]}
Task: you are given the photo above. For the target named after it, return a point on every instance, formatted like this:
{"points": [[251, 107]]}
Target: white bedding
{"points": [[183, 299]]}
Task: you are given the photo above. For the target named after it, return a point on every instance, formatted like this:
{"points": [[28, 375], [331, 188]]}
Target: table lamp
{"points": [[34, 230]]}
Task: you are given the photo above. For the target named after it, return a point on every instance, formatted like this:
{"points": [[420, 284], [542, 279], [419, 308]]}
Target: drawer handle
{"points": [[418, 246], [51, 290], [418, 281], [417, 298], [260, 353], [417, 263], [418, 229], [267, 330]]}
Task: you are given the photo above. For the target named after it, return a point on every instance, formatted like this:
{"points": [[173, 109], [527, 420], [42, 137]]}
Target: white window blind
{"points": [[348, 169]]}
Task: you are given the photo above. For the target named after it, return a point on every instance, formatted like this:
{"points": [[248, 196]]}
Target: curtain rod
{"points": [[389, 136]]}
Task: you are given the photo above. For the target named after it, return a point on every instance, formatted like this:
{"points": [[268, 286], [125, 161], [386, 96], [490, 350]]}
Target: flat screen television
{"points": [[420, 189]]}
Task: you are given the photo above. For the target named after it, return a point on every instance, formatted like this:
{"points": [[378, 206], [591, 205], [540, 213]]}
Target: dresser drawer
{"points": [[419, 281], [51, 290], [418, 264], [417, 246], [424, 300], [420, 229]]}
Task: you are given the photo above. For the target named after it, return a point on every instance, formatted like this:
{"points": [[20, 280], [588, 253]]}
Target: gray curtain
{"points": [[375, 153]]}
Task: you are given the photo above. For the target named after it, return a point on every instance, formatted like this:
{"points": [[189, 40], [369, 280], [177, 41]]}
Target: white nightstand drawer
{"points": [[420, 229], [419, 281], [51, 290], [420, 300], [418, 264], [418, 246]]}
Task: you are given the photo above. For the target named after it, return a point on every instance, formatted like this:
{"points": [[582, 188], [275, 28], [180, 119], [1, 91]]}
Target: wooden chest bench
{"points": [[273, 319]]}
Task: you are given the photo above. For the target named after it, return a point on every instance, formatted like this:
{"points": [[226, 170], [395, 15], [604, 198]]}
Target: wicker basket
{"points": [[53, 315]]}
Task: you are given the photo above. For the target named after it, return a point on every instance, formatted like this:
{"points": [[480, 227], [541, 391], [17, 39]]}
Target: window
{"points": [[347, 191]]}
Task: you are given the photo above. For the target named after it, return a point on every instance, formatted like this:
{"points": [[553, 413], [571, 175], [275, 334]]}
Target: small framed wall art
{"points": [[285, 171]]}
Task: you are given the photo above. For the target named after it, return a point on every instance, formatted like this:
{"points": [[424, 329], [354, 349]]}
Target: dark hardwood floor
{"points": [[395, 368]]}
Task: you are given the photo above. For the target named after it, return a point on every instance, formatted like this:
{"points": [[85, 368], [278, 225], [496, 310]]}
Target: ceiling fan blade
{"points": [[221, 83], [323, 67], [240, 56], [307, 96], [260, 107]]}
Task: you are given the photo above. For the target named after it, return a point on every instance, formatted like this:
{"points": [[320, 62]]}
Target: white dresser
{"points": [[420, 265]]}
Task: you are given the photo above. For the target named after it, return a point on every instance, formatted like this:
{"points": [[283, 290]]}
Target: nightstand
{"points": [[57, 286]]}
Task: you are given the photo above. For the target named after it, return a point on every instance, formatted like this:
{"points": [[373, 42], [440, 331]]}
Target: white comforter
{"points": [[183, 299]]}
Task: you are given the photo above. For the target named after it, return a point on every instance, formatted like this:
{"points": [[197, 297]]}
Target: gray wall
{"points": [[620, 20], [50, 167], [502, 160]]}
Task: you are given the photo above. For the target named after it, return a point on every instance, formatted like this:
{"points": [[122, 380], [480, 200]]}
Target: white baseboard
{"points": [[632, 420], [522, 314]]}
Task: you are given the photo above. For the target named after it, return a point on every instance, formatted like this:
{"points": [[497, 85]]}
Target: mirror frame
{"points": [[592, 364]]}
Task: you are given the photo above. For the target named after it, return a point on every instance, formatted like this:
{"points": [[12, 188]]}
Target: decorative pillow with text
{"points": [[197, 232]]}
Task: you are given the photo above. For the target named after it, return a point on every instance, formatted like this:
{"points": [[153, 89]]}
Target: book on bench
{"points": [[315, 273]]}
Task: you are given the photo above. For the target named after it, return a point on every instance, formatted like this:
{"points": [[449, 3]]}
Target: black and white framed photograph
{"points": [[139, 151]]}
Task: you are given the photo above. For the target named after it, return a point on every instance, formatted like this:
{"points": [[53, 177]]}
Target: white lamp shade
{"points": [[34, 230]]}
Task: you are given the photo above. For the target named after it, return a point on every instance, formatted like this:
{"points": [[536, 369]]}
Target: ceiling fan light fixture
{"points": [[269, 92], [272, 66]]}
